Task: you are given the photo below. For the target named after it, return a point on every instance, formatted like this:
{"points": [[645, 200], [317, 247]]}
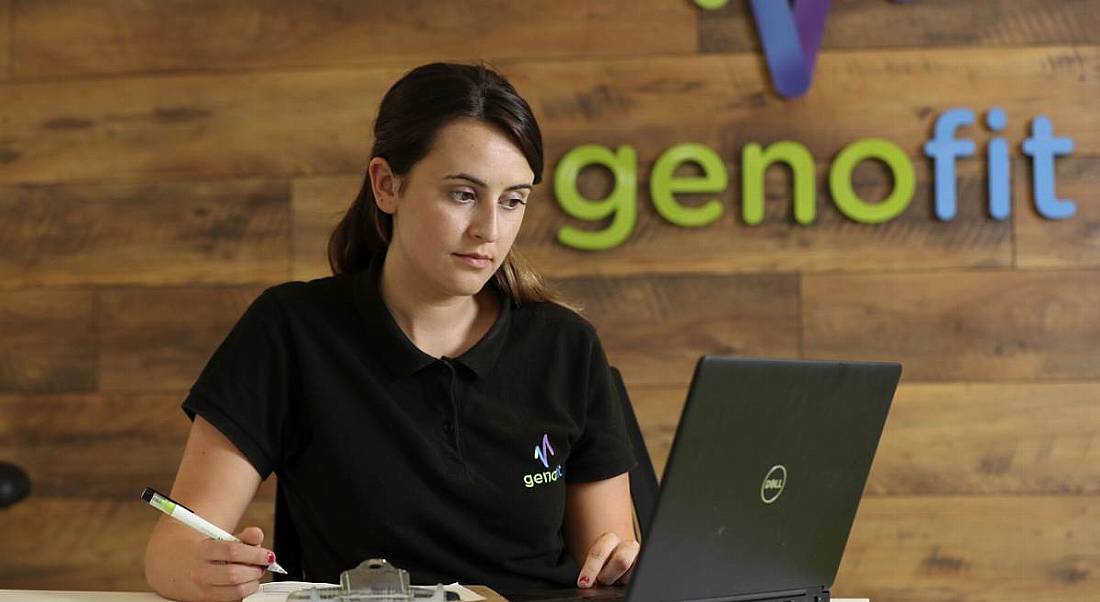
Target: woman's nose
{"points": [[485, 226]]}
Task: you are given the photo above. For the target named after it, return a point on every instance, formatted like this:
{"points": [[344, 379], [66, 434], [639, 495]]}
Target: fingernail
{"points": [[271, 557], [584, 581]]}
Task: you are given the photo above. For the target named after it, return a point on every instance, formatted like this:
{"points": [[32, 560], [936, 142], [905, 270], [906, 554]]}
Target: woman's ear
{"points": [[384, 183]]}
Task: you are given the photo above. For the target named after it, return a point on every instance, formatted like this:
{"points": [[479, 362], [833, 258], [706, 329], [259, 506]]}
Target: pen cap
{"points": [[161, 502]]}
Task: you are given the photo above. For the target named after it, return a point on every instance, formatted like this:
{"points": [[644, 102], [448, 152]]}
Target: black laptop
{"points": [[763, 481]]}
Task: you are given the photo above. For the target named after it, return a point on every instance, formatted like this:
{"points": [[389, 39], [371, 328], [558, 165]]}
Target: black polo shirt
{"points": [[454, 468]]}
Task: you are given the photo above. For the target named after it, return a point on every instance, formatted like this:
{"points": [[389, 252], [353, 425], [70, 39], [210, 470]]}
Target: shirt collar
{"points": [[399, 354]]}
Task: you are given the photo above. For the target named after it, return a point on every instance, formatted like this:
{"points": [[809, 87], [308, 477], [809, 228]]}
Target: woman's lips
{"points": [[474, 262]]}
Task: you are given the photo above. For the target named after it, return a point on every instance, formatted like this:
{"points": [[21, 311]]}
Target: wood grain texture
{"points": [[860, 24], [952, 438], [86, 446], [690, 316], [5, 40], [725, 101], [967, 325], [83, 544], [159, 339], [237, 124], [144, 233], [48, 341], [1070, 243], [317, 205], [658, 409], [978, 549], [70, 38], [205, 126], [990, 439]]}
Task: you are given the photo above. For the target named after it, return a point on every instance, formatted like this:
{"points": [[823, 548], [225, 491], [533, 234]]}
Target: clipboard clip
{"points": [[374, 580]]}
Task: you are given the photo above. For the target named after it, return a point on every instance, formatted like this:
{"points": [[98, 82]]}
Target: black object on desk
{"points": [[14, 484], [763, 481]]}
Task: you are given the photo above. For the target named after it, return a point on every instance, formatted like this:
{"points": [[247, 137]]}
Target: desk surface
{"points": [[25, 595], [28, 595]]}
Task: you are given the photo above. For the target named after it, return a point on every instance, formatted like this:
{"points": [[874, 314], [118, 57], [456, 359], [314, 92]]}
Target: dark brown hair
{"points": [[412, 112]]}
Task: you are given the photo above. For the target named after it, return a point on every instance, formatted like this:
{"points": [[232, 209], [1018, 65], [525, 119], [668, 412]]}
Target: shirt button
{"points": [[448, 428]]}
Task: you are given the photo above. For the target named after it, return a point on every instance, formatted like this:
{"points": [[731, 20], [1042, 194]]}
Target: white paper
{"points": [[464, 594], [277, 591]]}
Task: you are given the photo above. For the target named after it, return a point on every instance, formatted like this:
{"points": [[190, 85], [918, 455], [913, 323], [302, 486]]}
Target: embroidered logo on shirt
{"points": [[543, 453]]}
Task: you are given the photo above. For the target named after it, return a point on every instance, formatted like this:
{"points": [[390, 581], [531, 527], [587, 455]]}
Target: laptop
{"points": [[763, 481]]}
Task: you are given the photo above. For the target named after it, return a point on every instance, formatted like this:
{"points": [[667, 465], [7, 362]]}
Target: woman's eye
{"points": [[462, 196], [513, 202]]}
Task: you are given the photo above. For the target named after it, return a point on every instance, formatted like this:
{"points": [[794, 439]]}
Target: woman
{"points": [[430, 403]]}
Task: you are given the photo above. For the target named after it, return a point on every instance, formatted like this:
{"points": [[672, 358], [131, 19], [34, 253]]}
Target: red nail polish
{"points": [[584, 580], [271, 557]]}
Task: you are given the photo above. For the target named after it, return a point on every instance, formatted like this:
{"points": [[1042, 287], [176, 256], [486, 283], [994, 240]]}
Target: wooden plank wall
{"points": [[161, 162]]}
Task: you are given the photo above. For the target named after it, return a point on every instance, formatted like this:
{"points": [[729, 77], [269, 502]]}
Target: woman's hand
{"points": [[227, 570], [610, 560]]}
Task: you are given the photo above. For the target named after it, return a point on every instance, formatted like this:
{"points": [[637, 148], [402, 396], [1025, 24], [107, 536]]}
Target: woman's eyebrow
{"points": [[464, 176]]}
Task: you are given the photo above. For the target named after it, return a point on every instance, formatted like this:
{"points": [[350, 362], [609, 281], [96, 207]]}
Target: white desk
{"points": [[26, 595]]}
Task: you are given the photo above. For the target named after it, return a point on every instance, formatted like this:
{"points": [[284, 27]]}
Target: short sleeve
{"points": [[243, 389], [603, 450]]}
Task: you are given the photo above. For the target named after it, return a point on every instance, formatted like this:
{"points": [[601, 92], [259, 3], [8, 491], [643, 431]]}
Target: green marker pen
{"points": [[184, 515]]}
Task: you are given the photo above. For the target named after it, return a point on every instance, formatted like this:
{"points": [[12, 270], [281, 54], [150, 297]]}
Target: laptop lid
{"points": [[764, 479]]}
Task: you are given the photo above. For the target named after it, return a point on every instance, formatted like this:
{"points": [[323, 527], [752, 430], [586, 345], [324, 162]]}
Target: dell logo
{"points": [[773, 483]]}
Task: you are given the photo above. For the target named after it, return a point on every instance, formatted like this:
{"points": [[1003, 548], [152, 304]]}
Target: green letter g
{"points": [[622, 202]]}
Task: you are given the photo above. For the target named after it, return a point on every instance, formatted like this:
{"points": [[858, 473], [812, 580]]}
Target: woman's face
{"points": [[460, 209]]}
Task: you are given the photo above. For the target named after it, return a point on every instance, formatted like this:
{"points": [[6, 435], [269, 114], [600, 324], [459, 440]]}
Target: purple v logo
{"points": [[791, 39], [545, 451]]}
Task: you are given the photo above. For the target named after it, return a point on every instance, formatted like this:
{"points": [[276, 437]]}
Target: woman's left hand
{"points": [[610, 560]]}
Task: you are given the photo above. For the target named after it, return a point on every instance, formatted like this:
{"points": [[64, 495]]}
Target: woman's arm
{"points": [[217, 482], [599, 530]]}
